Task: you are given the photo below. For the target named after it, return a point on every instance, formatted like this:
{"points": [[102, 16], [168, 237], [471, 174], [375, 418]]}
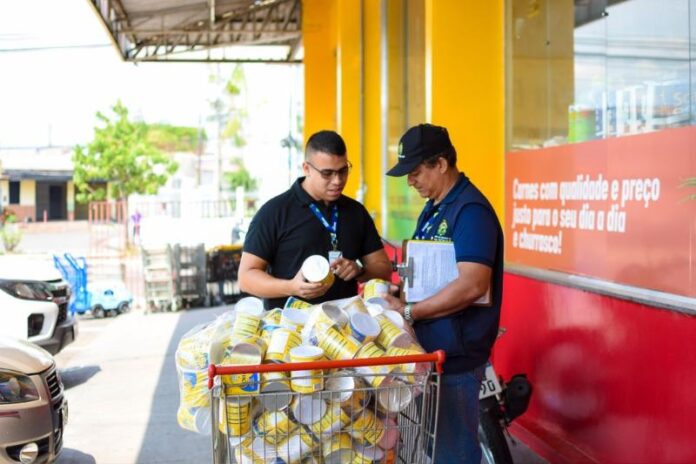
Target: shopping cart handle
{"points": [[437, 357]]}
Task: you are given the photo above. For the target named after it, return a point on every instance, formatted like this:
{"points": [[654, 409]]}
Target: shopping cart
{"points": [[362, 413]]}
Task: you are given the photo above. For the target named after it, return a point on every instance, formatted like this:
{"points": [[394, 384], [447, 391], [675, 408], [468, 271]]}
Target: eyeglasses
{"points": [[328, 174]]}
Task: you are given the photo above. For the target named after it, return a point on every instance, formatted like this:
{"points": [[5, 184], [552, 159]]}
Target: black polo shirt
{"points": [[284, 232]]}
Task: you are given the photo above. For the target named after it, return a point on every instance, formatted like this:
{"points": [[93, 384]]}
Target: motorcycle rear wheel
{"points": [[493, 443]]}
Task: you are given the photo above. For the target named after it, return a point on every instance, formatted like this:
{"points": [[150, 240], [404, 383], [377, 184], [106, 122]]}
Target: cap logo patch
{"points": [[400, 150]]}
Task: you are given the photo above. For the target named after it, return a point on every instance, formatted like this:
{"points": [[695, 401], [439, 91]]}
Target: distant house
{"points": [[36, 184]]}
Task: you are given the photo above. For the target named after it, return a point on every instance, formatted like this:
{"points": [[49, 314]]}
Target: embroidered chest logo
{"points": [[442, 228]]}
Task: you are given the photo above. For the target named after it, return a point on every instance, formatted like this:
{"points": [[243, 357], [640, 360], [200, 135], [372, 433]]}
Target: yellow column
{"points": [[465, 86], [348, 88], [319, 39], [373, 110]]}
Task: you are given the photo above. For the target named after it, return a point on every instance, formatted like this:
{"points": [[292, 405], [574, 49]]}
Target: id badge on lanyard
{"points": [[334, 253]]}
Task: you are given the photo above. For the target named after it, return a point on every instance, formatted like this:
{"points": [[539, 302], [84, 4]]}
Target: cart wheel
{"points": [[97, 312]]}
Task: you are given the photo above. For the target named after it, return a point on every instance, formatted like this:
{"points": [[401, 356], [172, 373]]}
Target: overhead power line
{"points": [[52, 47]]}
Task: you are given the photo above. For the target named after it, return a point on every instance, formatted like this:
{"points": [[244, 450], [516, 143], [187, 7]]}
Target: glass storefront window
{"points": [[405, 105], [595, 69]]}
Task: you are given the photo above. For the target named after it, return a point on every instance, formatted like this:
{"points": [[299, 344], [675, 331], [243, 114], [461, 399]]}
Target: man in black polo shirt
{"points": [[312, 218]]}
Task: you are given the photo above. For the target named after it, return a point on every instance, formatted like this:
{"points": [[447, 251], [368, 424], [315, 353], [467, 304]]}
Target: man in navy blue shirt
{"points": [[452, 319]]}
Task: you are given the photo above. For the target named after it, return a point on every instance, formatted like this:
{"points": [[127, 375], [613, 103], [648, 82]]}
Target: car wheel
{"points": [[123, 307], [97, 312]]}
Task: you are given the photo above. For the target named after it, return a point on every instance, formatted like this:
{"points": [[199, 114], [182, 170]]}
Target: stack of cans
{"points": [[329, 415]]}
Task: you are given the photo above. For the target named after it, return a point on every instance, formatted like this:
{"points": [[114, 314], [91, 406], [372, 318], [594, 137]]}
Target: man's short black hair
{"points": [[325, 141]]}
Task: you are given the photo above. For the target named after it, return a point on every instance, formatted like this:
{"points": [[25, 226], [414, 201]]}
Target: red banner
{"points": [[614, 209]]}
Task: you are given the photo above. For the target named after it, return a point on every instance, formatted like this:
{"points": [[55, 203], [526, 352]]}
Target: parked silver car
{"points": [[33, 409]]}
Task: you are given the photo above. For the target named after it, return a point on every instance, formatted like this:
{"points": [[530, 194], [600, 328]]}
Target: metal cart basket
{"points": [[357, 411]]}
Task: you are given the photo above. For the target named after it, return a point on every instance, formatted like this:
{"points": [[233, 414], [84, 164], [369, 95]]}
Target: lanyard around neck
{"points": [[425, 231], [332, 227]]}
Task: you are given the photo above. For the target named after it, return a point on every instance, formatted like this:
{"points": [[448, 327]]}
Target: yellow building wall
{"points": [[464, 59], [463, 80], [374, 174], [349, 88], [319, 38], [27, 193], [5, 192]]}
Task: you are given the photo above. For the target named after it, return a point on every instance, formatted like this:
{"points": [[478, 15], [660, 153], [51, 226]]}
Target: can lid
{"points": [[250, 305], [306, 351], [315, 268], [308, 409], [364, 324], [395, 317]]}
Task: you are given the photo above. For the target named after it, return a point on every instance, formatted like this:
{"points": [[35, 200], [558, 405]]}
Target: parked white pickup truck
{"points": [[34, 300]]}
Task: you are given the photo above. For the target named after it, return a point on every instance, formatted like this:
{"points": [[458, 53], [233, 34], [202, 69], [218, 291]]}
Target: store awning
{"points": [[208, 31]]}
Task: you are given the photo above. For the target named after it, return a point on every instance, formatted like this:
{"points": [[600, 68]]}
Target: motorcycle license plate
{"points": [[489, 385]]}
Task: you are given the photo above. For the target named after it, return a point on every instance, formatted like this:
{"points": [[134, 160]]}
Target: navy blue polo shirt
{"points": [[466, 218], [284, 232]]}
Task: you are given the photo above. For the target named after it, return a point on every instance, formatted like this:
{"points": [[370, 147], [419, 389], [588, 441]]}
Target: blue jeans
{"points": [[457, 425]]}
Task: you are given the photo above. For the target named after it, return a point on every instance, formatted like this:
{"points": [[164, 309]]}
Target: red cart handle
{"points": [[437, 357]]}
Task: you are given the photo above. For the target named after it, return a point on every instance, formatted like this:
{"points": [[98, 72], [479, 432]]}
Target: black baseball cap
{"points": [[418, 144]]}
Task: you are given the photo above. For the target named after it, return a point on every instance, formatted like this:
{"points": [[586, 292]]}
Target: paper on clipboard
{"points": [[434, 266]]}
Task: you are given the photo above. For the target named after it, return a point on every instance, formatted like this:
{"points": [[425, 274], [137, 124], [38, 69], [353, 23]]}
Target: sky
{"points": [[58, 68]]}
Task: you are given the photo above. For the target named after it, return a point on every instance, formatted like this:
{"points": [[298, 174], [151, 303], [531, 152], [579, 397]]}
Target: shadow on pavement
{"points": [[71, 456], [164, 440], [73, 376]]}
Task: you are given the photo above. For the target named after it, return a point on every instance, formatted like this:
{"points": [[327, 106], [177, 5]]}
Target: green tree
{"points": [[240, 177], [228, 108], [170, 139], [121, 155]]}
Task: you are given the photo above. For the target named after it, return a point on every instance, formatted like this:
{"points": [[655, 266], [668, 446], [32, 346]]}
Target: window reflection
{"points": [[593, 69]]}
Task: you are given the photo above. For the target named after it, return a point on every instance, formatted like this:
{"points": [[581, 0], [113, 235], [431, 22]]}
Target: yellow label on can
{"points": [[245, 325], [339, 447], [367, 428], [194, 388], [236, 418], [332, 422], [355, 305], [273, 377], [282, 341], [272, 317], [374, 288], [294, 302], [337, 345], [389, 333], [274, 426], [186, 419], [307, 381], [376, 375], [406, 368]]}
